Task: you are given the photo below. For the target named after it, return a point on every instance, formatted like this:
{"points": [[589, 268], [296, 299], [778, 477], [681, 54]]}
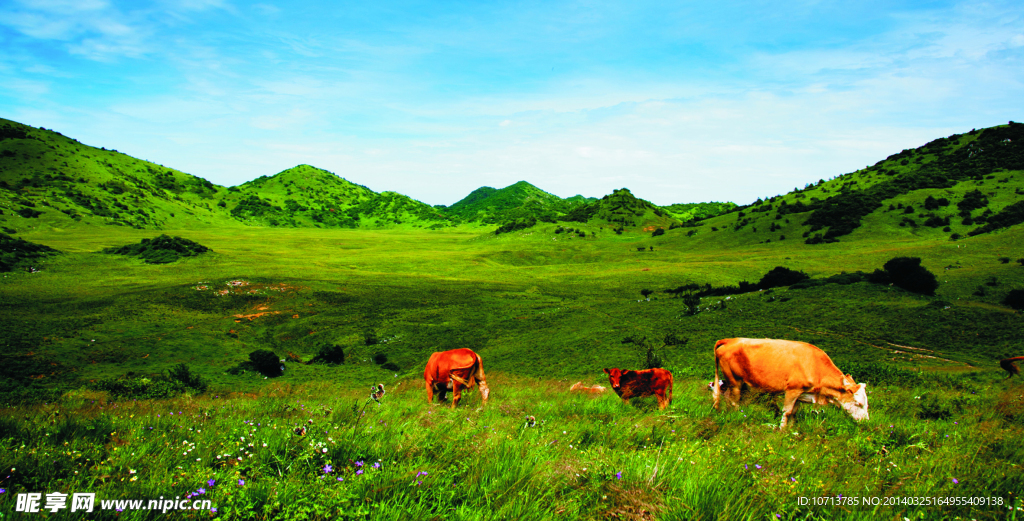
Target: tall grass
{"points": [[316, 452]]}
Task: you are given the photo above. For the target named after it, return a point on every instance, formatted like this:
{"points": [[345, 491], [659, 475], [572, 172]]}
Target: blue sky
{"points": [[679, 102]]}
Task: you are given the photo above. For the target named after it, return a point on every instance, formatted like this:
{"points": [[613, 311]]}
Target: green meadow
{"points": [[135, 380], [544, 311]]}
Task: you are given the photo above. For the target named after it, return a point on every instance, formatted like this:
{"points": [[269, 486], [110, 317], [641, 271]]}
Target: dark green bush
{"points": [[15, 251], [329, 354], [780, 276], [518, 224], [1015, 299], [266, 362], [128, 387], [907, 273], [183, 375], [160, 250]]}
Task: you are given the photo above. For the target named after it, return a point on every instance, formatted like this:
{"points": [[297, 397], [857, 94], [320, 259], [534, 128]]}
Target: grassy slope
{"points": [[539, 307], [72, 184]]}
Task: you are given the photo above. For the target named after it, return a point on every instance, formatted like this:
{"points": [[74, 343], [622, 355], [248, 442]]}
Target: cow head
{"points": [[613, 377], [855, 398]]}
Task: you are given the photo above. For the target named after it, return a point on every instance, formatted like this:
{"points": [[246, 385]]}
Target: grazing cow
{"points": [[579, 388], [628, 384], [1009, 366], [453, 370], [801, 371]]}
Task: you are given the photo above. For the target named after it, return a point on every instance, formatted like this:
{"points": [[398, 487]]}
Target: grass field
{"points": [[544, 310]]}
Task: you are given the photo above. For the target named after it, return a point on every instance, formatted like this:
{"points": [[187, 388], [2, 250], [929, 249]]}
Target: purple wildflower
{"points": [[328, 469], [358, 472], [341, 479], [359, 463], [201, 490], [211, 482], [757, 466], [794, 480], [955, 481], [241, 482], [376, 465], [618, 475]]}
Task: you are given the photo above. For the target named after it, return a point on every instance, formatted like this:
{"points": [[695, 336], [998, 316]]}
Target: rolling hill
{"points": [[50, 181]]}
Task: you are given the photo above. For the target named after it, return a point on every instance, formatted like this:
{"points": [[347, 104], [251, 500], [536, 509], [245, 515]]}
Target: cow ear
{"points": [[607, 371]]}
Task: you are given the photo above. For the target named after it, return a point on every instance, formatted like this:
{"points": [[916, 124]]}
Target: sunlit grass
{"points": [[316, 452]]}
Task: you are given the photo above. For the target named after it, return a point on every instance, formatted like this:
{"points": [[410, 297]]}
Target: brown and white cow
{"points": [[800, 370], [454, 370], [578, 387], [628, 384]]}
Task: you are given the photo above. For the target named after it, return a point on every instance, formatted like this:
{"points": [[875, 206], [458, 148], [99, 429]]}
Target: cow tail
{"points": [[671, 386], [716, 390], [478, 373]]}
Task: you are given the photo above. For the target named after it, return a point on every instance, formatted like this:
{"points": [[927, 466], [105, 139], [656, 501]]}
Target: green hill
{"points": [[521, 200], [309, 196], [49, 180], [621, 208], [949, 188]]}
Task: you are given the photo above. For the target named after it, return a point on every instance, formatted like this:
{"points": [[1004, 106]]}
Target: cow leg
{"points": [[733, 395], [456, 393], [430, 392], [662, 401], [792, 396]]}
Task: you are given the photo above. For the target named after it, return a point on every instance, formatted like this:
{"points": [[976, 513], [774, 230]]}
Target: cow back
{"points": [[777, 365], [460, 362]]}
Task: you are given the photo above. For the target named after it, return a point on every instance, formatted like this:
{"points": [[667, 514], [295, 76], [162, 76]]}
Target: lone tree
{"points": [[646, 293]]}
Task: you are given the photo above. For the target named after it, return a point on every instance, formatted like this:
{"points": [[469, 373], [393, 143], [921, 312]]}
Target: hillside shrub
{"points": [[659, 231], [14, 251], [781, 276], [972, 201], [1015, 299], [160, 250], [691, 304], [181, 374], [1009, 216], [518, 224], [907, 273], [332, 354], [266, 362], [177, 380]]}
